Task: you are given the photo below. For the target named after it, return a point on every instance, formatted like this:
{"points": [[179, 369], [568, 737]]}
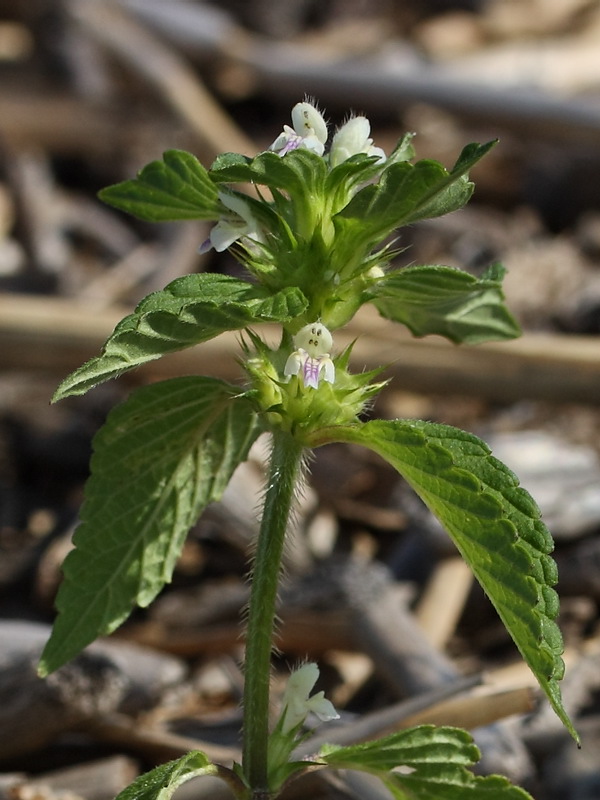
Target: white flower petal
{"points": [[354, 134], [322, 708], [297, 703], [238, 205], [307, 121], [224, 234], [315, 338], [293, 365], [281, 141], [309, 131], [314, 144], [302, 680], [377, 151], [232, 226], [328, 369], [206, 246], [353, 138]]}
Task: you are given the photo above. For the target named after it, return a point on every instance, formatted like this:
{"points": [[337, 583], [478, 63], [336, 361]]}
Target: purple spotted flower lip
{"points": [[311, 359]]}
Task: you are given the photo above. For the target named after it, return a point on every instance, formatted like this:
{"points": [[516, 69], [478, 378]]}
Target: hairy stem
{"points": [[285, 468]]}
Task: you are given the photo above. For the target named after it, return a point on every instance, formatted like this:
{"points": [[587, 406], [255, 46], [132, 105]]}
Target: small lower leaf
{"points": [[424, 763], [161, 782], [161, 457]]}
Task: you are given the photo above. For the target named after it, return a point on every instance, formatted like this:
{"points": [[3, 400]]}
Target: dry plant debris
{"points": [[93, 90]]}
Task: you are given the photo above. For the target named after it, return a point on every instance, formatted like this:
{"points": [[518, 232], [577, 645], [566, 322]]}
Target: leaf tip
{"points": [[42, 669], [58, 395]]}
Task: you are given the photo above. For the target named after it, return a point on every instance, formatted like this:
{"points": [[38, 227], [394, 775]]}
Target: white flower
{"points": [[312, 355], [353, 138], [309, 131], [296, 701], [232, 227]]}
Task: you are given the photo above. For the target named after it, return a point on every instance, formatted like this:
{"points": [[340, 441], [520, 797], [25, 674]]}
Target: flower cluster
{"points": [[291, 240], [308, 131]]}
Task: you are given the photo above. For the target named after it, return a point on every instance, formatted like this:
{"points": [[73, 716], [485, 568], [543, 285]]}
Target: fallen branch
{"points": [[57, 335]]}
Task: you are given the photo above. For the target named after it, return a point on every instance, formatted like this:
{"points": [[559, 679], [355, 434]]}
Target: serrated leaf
{"points": [[361, 167], [190, 310], [176, 188], [297, 171], [446, 301], [423, 744], [441, 783], [454, 189], [403, 151], [494, 523], [410, 192], [231, 168], [161, 782], [161, 457], [355, 170], [424, 763]]}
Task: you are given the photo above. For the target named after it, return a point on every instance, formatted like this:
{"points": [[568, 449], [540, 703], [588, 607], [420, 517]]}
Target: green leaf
{"points": [[403, 151], [176, 188], [231, 168], [355, 170], [494, 523], [190, 310], [344, 179], [295, 172], [424, 763], [446, 301], [161, 782], [161, 457], [454, 189], [407, 193], [423, 744]]}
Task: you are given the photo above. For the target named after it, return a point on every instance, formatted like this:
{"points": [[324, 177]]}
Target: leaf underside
{"points": [[424, 763], [161, 782], [190, 310], [495, 525], [161, 457], [446, 301]]}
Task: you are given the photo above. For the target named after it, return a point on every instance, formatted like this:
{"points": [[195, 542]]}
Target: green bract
{"points": [[316, 239]]}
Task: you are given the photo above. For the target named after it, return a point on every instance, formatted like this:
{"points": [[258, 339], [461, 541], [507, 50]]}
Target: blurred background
{"points": [[92, 90]]}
